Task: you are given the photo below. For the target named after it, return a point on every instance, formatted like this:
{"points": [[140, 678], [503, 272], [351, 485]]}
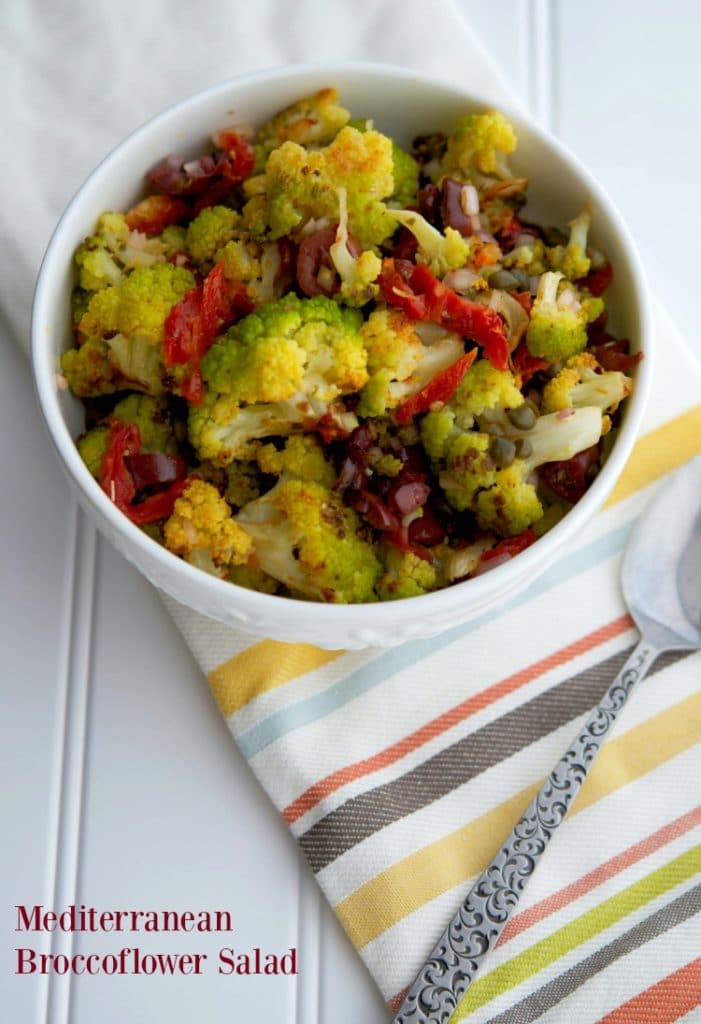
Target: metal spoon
{"points": [[662, 586]]}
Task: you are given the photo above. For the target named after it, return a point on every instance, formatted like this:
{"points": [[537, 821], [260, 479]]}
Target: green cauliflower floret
{"points": [[405, 169], [532, 257], [89, 370], [306, 538], [558, 326], [302, 457], [113, 249], [149, 414], [511, 505], [469, 469], [257, 266], [582, 382], [299, 185], [276, 371], [399, 362], [406, 177], [202, 530], [405, 575], [139, 306], [92, 447], [572, 258], [311, 121], [251, 578], [358, 273], [242, 482], [209, 232], [478, 147], [482, 389], [503, 499], [441, 251]]}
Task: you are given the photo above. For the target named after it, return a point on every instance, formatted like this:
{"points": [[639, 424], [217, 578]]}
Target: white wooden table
{"points": [[121, 787]]}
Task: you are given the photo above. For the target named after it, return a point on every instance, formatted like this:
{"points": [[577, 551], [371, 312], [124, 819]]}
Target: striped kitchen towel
{"points": [[401, 772]]}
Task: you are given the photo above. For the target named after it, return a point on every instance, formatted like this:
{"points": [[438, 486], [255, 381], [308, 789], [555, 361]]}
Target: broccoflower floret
{"points": [[311, 121], [300, 185], [274, 372], [209, 232], [582, 382], [558, 325], [441, 251], [202, 530], [306, 538], [139, 305], [399, 362], [405, 575], [479, 145], [302, 457]]}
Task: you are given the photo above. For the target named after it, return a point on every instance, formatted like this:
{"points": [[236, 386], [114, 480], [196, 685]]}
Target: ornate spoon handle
{"points": [[475, 929]]}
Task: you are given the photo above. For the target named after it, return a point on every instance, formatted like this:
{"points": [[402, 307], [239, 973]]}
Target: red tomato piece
{"points": [[597, 281], [440, 389], [527, 365], [119, 485], [242, 157], [510, 546], [422, 296], [155, 213], [193, 324]]}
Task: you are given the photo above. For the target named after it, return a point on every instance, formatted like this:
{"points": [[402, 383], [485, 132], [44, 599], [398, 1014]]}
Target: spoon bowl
{"points": [[661, 572]]}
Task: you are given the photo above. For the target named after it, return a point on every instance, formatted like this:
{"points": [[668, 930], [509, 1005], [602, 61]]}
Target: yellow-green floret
{"points": [[209, 232], [572, 258], [92, 447], [478, 146], [302, 457], [398, 361], [306, 538], [441, 251], [202, 530], [113, 249], [582, 382], [276, 371], [482, 389], [139, 305], [405, 575], [558, 325], [311, 121], [299, 185], [504, 498]]}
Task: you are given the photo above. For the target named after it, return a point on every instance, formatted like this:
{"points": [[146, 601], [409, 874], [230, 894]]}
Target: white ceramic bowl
{"points": [[402, 104]]}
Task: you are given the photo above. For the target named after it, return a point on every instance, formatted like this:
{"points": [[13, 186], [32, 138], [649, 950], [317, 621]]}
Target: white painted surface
{"points": [[121, 786]]}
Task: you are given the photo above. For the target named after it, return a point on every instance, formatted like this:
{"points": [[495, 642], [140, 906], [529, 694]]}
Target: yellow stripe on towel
{"points": [[424, 875], [659, 452], [262, 667]]}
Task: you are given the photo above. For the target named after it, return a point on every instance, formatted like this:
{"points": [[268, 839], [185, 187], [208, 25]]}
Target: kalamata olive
{"points": [[502, 451], [524, 448], [522, 417], [503, 279], [312, 256], [454, 215]]}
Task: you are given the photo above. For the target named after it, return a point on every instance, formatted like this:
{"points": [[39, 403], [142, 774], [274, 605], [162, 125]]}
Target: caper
{"points": [[522, 417], [502, 451], [503, 279], [523, 279], [524, 448]]}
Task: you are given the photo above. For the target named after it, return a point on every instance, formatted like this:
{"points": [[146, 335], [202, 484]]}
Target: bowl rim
{"points": [[351, 616]]}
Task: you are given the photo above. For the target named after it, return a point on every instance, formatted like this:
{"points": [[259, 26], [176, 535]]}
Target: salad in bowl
{"points": [[321, 365]]}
